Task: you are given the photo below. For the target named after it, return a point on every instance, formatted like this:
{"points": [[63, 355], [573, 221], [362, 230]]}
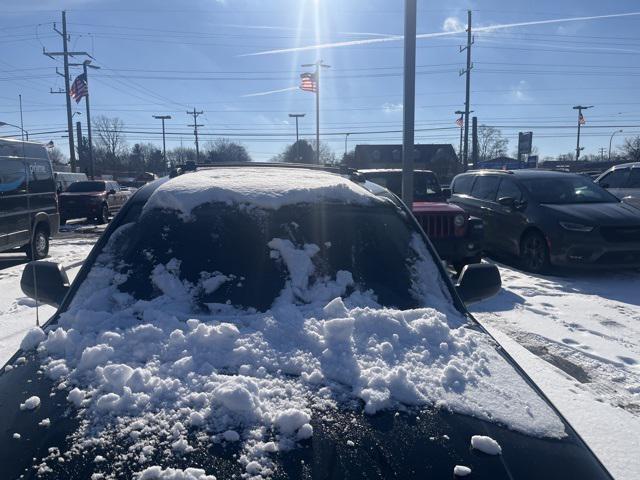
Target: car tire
{"points": [[104, 215], [39, 246], [534, 253]]}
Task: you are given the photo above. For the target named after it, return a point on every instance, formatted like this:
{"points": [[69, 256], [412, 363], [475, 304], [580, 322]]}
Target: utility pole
{"points": [[611, 140], [319, 66], [602, 150], [460, 123], [297, 116], [195, 130], [21, 120], [164, 145], [581, 121], [65, 54], [409, 100], [80, 142], [85, 65], [467, 71], [346, 138]]}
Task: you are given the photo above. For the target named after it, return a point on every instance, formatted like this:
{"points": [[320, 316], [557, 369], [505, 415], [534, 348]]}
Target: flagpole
{"points": [[318, 112], [86, 99]]}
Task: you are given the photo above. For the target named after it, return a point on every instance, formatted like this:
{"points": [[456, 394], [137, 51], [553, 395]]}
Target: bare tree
{"points": [[223, 150], [491, 143], [110, 140], [631, 149], [57, 157]]}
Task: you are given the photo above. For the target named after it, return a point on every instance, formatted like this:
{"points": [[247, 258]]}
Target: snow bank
{"points": [[486, 445], [157, 473], [269, 188], [154, 375]]}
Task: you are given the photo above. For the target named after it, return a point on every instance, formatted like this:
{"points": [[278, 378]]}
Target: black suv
{"points": [[28, 201], [550, 218]]}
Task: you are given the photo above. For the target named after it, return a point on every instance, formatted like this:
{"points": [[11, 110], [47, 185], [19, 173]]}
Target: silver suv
{"points": [[623, 181]]}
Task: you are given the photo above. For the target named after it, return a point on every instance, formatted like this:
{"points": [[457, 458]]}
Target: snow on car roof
{"points": [[269, 188]]}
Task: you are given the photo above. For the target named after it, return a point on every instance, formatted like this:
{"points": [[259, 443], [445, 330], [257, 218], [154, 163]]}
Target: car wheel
{"points": [[39, 246], [104, 215], [534, 253]]}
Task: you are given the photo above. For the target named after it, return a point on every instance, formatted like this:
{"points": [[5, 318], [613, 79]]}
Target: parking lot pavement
{"points": [[17, 312], [583, 331]]}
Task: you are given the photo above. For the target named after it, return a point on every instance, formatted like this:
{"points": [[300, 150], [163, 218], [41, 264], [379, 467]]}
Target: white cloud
{"points": [[520, 93], [452, 24], [392, 107]]}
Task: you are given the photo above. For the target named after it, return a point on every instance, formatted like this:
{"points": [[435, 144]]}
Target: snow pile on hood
{"points": [[160, 378], [269, 188]]}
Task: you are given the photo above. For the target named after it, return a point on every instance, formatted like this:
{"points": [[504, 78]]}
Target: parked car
{"points": [[458, 238], [93, 200], [624, 182], [551, 218], [64, 179], [28, 202], [271, 321]]}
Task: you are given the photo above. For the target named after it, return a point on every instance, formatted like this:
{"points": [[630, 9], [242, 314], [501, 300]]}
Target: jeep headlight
{"points": [[459, 220]]}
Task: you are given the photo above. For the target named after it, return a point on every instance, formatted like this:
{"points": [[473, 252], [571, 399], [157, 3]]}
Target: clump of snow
{"points": [[461, 471], [32, 339], [17, 436], [30, 403], [350, 443], [150, 374], [158, 473], [45, 422], [486, 445], [269, 188]]}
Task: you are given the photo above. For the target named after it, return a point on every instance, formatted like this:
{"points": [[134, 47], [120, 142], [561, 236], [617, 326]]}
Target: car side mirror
{"points": [[111, 192], [446, 192], [478, 282], [507, 201], [46, 282]]}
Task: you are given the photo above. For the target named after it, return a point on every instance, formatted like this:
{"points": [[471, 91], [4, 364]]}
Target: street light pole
{"points": [[409, 100], [24, 132], [164, 145], [580, 122], [611, 140], [21, 120], [297, 116], [346, 137]]}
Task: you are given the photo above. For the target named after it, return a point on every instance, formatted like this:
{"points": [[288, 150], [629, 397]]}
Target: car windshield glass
{"points": [[80, 187], [243, 257], [566, 189]]}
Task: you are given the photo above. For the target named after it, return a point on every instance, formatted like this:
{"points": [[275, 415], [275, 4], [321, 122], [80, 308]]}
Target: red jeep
{"points": [[457, 237]]}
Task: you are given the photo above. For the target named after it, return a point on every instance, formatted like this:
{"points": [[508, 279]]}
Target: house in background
{"points": [[439, 158]]}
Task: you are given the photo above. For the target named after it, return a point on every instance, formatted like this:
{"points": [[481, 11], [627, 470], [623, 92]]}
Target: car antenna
{"points": [[32, 249]]}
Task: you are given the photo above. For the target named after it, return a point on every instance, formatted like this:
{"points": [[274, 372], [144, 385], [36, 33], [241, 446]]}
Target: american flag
{"points": [[79, 88], [460, 121], [581, 119], [308, 82]]}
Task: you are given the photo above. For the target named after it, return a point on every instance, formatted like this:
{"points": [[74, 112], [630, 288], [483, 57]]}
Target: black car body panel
{"points": [[612, 241], [427, 442]]}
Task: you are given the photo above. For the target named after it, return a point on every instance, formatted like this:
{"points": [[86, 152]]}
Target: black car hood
{"points": [[600, 214], [420, 444]]}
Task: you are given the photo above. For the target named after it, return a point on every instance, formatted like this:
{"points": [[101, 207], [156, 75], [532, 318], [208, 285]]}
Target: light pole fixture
{"points": [[611, 140], [164, 145], [297, 116], [2, 124]]}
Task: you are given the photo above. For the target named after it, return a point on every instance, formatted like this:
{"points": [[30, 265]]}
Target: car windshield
{"points": [[248, 254], [566, 189], [80, 187], [425, 185]]}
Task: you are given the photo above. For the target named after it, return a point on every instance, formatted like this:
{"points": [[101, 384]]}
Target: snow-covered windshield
{"points": [[229, 254]]}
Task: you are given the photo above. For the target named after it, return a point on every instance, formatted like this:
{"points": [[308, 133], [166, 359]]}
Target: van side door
{"points": [[484, 193], [14, 204]]}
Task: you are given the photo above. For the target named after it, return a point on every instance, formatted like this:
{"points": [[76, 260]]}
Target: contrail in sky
{"points": [[269, 92], [393, 38]]}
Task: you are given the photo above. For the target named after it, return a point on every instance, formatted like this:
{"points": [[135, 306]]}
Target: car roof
{"points": [[389, 170], [625, 165], [525, 173]]}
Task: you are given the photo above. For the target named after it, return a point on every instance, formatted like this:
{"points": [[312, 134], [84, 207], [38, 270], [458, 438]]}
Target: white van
{"points": [[64, 179]]}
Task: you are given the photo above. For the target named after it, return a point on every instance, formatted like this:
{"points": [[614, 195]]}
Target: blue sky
{"points": [[161, 57]]}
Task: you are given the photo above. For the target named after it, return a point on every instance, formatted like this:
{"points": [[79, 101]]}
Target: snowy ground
{"points": [[581, 339], [577, 336], [17, 312]]}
